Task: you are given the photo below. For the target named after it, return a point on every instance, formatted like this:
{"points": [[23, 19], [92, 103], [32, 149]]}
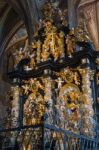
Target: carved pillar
{"points": [[90, 9], [87, 120], [48, 99], [15, 106], [15, 112], [97, 88]]}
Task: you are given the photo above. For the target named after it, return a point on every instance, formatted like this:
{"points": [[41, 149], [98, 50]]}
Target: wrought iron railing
{"points": [[65, 140], [45, 137]]}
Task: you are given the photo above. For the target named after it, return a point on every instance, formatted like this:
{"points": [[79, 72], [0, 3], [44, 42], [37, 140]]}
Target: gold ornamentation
{"points": [[38, 51], [97, 61], [92, 72], [53, 44], [72, 105], [70, 45], [70, 42], [81, 34], [69, 87], [97, 75], [69, 77], [87, 102], [70, 101]]}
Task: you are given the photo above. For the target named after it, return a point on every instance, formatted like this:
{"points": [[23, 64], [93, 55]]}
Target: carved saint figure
{"points": [[70, 45]]}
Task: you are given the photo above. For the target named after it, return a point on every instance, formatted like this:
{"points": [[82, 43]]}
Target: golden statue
{"points": [[70, 45], [54, 42], [61, 44], [18, 55]]}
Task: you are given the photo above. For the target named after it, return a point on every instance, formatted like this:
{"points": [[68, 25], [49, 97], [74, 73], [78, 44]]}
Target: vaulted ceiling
{"points": [[15, 13], [9, 23], [3, 5]]}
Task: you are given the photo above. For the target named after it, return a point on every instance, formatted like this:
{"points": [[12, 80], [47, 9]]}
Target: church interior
{"points": [[49, 74]]}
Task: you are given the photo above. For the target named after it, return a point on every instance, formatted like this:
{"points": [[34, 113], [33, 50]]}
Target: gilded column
{"points": [[15, 111], [87, 110]]}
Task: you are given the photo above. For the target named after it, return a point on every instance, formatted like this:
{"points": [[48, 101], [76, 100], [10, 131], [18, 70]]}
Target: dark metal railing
{"points": [[66, 140], [45, 137]]}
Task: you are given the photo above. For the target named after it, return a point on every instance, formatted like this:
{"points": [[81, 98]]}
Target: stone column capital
{"points": [[84, 3]]}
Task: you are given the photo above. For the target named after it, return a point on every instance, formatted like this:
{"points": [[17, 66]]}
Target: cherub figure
{"points": [[60, 82]]}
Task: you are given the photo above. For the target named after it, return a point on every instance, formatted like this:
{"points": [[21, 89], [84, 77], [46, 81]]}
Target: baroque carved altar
{"points": [[55, 78]]}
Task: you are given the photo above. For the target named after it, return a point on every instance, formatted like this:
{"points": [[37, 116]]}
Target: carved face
{"points": [[48, 24]]}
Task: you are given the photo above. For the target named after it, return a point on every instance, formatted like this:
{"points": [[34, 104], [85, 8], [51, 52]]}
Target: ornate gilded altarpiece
{"points": [[54, 78]]}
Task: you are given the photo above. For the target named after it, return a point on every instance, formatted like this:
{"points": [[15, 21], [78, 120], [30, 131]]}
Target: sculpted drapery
{"points": [[90, 9]]}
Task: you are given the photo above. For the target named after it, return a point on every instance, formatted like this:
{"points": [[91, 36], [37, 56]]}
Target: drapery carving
{"points": [[90, 9]]}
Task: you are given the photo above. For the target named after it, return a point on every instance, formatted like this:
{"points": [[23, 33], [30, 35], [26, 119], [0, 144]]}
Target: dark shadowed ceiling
{"points": [[15, 13], [3, 5]]}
